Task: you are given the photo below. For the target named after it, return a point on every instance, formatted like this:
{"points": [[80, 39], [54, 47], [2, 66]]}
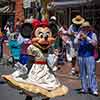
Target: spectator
{"points": [[58, 42], [87, 41], [14, 46], [7, 28], [53, 25]]}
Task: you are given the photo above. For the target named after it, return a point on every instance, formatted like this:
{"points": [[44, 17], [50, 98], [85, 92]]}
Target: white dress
{"points": [[40, 79], [40, 73]]}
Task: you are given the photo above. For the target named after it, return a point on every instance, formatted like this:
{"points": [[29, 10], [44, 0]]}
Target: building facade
{"points": [[65, 10], [7, 12]]}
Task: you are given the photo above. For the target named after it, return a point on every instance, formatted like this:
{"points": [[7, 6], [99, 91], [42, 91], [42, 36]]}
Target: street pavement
{"points": [[8, 93]]}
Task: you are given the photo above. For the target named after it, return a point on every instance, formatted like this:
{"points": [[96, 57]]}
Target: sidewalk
{"points": [[73, 83], [65, 69]]}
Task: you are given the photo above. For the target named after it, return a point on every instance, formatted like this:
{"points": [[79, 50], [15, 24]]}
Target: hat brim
{"points": [[85, 25], [78, 22]]}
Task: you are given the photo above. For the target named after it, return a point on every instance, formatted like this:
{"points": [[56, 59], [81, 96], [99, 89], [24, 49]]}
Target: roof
{"points": [[67, 3]]}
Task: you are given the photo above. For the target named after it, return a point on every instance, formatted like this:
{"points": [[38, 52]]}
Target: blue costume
{"points": [[86, 62]]}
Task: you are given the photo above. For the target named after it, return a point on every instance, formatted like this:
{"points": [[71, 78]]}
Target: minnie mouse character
{"points": [[40, 81]]}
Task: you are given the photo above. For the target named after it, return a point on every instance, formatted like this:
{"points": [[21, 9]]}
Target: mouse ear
{"points": [[44, 23], [36, 23]]}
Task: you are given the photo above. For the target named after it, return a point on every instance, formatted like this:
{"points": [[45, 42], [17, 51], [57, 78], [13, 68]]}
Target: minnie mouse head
{"points": [[42, 34]]}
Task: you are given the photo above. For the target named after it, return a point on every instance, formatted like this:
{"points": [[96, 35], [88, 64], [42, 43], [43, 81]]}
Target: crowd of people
{"points": [[76, 44]]}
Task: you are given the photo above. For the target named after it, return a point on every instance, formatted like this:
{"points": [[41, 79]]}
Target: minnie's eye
{"points": [[40, 33], [41, 36], [48, 33]]}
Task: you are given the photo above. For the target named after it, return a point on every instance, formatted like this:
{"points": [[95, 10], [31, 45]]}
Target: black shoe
{"points": [[28, 98]]}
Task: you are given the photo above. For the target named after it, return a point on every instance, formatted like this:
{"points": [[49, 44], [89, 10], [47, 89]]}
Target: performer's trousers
{"points": [[87, 67]]}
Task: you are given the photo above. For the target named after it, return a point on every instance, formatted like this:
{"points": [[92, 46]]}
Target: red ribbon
{"points": [[37, 23]]}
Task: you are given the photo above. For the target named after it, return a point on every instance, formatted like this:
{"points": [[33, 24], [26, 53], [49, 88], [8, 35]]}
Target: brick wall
{"points": [[19, 10]]}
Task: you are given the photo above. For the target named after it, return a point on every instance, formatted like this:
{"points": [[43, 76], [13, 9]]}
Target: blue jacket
{"points": [[86, 49]]}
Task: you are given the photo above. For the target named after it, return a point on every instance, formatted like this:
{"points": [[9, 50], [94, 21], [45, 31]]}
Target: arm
{"points": [[70, 30], [20, 39], [77, 38], [92, 40]]}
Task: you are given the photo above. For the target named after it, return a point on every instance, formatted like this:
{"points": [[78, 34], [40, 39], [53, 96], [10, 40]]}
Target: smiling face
{"points": [[43, 38]]}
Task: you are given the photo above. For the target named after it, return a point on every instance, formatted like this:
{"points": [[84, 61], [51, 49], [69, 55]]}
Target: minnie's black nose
{"points": [[46, 37]]}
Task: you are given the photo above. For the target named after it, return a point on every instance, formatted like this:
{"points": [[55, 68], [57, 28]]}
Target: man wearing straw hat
{"points": [[87, 41], [73, 30]]}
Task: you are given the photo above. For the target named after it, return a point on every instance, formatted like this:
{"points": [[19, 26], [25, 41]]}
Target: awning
{"points": [[5, 7], [63, 3]]}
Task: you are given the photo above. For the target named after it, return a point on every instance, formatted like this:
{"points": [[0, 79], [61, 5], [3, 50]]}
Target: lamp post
{"points": [[45, 9], [41, 8]]}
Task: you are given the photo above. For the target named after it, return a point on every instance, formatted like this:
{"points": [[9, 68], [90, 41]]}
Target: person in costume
{"points": [[54, 26], [39, 81], [87, 42], [73, 31]]}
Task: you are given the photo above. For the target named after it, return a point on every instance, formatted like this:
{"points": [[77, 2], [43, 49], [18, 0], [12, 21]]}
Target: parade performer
{"points": [[38, 81], [87, 42], [73, 31]]}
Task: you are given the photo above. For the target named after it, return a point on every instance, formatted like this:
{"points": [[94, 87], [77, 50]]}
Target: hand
{"points": [[56, 52], [72, 33], [83, 36]]}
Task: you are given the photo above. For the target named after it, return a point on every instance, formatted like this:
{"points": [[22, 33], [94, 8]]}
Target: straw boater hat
{"points": [[85, 24], [78, 20]]}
